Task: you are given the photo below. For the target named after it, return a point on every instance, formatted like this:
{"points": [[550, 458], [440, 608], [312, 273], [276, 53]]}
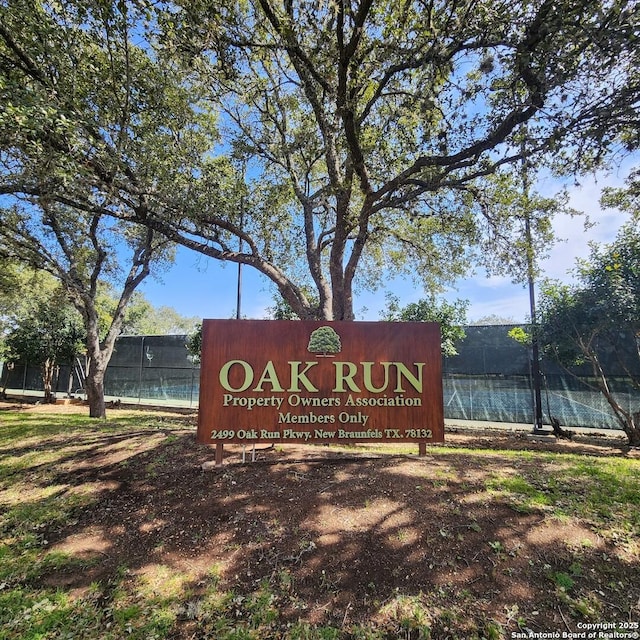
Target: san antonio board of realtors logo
{"points": [[324, 342]]}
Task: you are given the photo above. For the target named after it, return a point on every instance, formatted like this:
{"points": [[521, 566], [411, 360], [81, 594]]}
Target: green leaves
{"points": [[49, 335], [597, 321], [335, 140], [451, 316]]}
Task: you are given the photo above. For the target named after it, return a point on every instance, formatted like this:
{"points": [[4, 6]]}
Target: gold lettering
{"points": [[414, 381], [368, 384], [269, 376], [298, 376], [343, 376], [346, 377], [224, 375]]}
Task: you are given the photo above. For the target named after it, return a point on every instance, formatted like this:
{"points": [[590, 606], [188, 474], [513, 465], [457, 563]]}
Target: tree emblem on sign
{"points": [[324, 341]]}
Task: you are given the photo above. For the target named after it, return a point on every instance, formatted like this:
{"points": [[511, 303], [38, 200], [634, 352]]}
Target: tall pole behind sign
{"points": [[535, 353], [239, 291], [239, 295]]}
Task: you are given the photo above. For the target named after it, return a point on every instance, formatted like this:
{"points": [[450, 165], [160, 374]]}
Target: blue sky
{"points": [[201, 287]]}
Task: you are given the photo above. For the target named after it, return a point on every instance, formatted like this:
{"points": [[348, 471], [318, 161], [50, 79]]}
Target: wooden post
{"points": [[422, 448], [219, 447]]}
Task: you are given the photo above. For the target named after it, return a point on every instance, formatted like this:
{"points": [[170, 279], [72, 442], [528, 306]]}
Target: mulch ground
{"points": [[342, 532]]}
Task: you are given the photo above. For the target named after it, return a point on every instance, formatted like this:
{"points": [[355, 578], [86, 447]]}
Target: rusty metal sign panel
{"points": [[284, 381]]}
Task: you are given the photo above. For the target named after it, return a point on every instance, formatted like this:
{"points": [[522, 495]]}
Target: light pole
{"points": [[535, 353], [239, 290]]}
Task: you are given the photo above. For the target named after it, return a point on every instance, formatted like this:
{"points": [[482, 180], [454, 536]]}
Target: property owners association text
{"points": [[294, 400]]}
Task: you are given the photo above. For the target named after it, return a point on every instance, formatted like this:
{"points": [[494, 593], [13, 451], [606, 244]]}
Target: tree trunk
{"points": [[630, 422], [94, 386], [633, 430], [48, 369], [96, 369], [634, 437]]}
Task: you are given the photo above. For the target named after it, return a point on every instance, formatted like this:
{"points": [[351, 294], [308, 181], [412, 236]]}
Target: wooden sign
{"points": [[280, 381]]}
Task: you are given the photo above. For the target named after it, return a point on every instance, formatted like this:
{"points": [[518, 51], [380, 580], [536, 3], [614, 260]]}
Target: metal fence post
{"points": [[141, 370]]}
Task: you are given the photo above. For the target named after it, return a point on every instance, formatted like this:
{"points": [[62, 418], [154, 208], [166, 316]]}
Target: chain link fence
{"points": [[489, 380]]}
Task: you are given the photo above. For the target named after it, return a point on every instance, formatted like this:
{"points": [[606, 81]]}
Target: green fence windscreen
{"points": [[489, 380]]}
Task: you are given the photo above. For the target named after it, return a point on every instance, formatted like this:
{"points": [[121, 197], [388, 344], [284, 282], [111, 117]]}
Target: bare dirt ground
{"points": [[346, 536]]}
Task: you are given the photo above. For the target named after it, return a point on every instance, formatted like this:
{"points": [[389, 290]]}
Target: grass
{"points": [[603, 491]]}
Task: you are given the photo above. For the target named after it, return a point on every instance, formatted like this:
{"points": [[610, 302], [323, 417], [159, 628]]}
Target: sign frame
{"points": [[294, 381]]}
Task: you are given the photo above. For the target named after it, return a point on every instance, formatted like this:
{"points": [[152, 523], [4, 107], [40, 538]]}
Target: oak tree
{"points": [[91, 123], [48, 333], [596, 322], [378, 136], [82, 251], [355, 138]]}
